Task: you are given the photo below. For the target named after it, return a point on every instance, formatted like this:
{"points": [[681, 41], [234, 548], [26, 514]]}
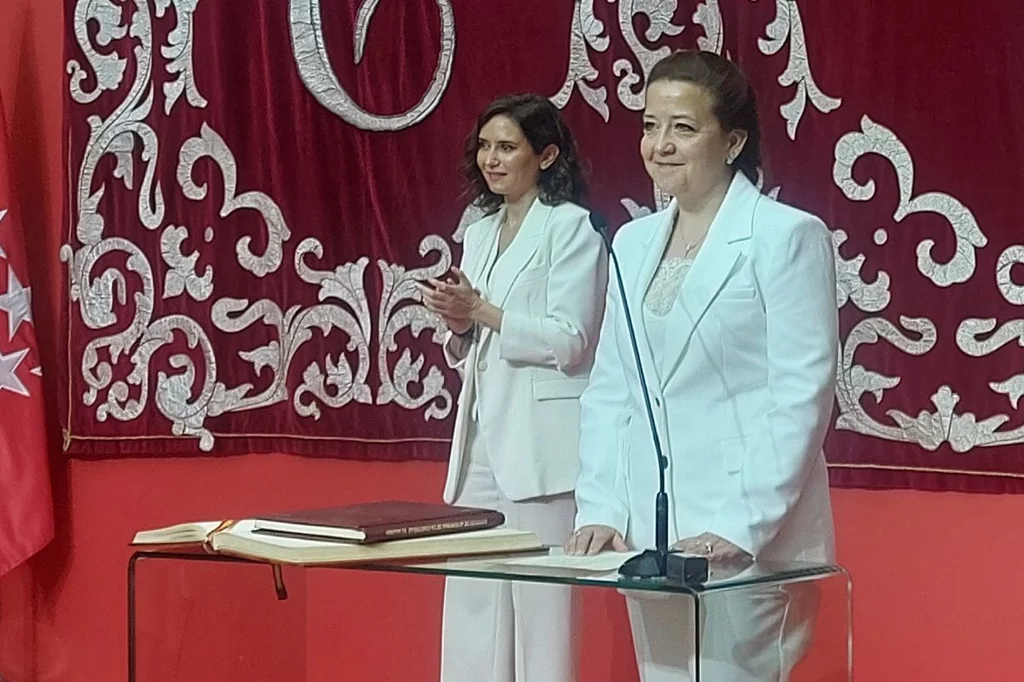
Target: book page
{"points": [[179, 533]]}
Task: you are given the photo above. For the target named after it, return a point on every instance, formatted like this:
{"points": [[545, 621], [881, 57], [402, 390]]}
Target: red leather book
{"points": [[370, 522]]}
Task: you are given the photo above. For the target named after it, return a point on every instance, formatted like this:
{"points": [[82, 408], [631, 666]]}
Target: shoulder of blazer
{"points": [[567, 211], [565, 223], [473, 229], [776, 222], [638, 232]]}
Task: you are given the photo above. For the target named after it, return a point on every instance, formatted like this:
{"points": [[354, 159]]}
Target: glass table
{"points": [[199, 616]]}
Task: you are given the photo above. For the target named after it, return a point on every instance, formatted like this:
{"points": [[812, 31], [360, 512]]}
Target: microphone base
{"points": [[649, 563], [691, 570], [675, 568]]}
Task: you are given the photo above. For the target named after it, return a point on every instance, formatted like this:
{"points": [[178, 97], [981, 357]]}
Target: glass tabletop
{"points": [[547, 566], [529, 568]]}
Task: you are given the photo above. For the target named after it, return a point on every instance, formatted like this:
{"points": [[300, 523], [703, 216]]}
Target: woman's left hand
{"points": [[453, 298], [713, 547]]}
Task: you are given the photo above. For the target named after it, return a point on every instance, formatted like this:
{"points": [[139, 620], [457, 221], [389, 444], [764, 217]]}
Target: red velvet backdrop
{"points": [[253, 186]]}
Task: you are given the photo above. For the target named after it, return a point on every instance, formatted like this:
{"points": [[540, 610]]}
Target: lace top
{"points": [[661, 296], [664, 289]]}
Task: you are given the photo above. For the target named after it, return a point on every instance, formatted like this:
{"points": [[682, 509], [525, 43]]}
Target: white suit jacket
{"points": [[526, 381], [743, 398]]}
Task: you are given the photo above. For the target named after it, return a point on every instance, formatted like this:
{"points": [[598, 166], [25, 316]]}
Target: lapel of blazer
{"points": [[650, 249], [516, 256], [519, 252], [483, 248], [711, 268]]}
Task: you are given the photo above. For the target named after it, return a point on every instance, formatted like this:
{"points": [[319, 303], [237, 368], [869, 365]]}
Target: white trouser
{"points": [[747, 635], [495, 631]]}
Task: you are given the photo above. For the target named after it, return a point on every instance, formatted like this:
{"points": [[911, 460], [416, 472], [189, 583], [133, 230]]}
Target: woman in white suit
{"points": [[523, 312], [735, 304]]}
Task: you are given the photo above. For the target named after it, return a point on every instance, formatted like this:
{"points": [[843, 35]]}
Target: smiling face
{"points": [[684, 147], [508, 162]]}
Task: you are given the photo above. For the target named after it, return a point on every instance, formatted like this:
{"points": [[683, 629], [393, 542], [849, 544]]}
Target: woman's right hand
{"points": [[457, 325], [593, 539]]}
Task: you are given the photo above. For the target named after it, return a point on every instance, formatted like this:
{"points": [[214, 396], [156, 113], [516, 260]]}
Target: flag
{"points": [[26, 504]]}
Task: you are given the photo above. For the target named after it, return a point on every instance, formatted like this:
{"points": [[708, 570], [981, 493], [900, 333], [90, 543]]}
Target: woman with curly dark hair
{"points": [[523, 312]]}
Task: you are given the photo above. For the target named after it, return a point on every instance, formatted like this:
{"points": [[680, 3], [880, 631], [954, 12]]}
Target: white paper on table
{"points": [[598, 563]]}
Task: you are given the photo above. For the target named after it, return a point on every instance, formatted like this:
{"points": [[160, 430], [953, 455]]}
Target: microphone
{"points": [[651, 563]]}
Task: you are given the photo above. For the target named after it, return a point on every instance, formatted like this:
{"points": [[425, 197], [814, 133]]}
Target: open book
{"points": [[239, 539], [179, 534]]}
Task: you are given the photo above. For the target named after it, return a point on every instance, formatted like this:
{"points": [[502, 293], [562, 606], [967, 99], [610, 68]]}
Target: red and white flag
{"points": [[26, 505]]}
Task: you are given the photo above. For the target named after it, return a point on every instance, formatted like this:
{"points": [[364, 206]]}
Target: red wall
{"points": [[938, 586]]}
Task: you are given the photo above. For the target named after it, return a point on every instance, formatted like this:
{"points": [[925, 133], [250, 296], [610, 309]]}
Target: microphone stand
{"points": [[651, 563]]}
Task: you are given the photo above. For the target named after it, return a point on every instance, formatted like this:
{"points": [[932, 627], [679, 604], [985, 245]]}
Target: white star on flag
{"points": [[26, 500], [9, 380], [17, 303]]}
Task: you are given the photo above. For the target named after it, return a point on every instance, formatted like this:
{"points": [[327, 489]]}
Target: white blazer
{"points": [[744, 395], [523, 385]]}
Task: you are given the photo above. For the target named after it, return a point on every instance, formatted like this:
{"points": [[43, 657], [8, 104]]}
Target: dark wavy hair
{"points": [[542, 124], [735, 105]]}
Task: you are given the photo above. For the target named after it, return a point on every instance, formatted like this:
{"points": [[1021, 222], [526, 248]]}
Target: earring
{"points": [[730, 159]]}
